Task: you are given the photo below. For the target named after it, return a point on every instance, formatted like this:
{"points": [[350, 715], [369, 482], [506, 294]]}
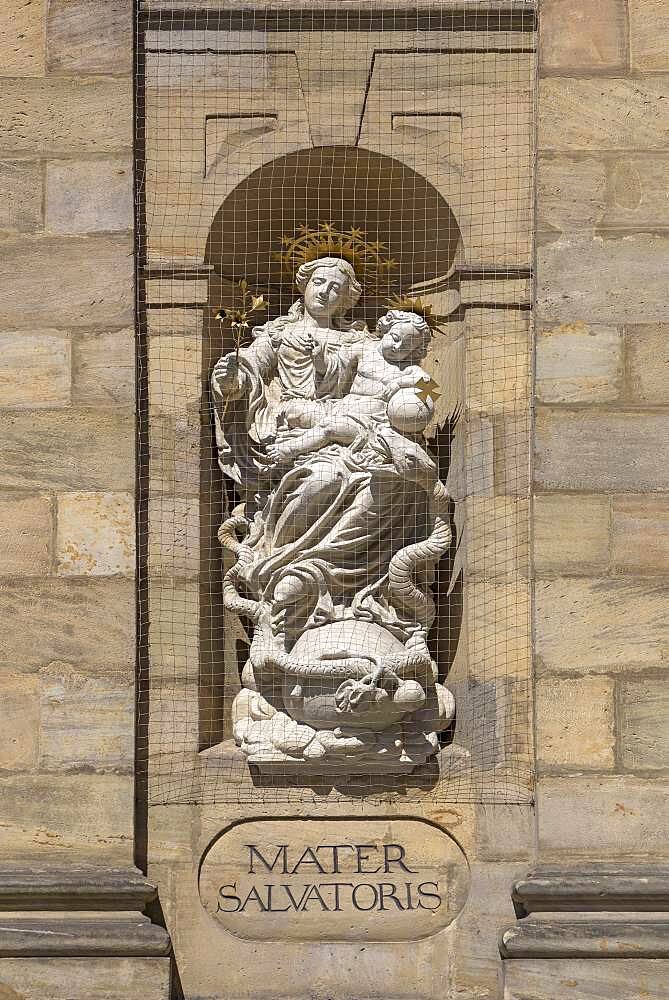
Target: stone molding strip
{"points": [[87, 936], [596, 887], [598, 911], [46, 887], [269, 15], [597, 938], [83, 911]]}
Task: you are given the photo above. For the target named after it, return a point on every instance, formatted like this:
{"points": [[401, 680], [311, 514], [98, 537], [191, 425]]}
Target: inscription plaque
{"points": [[334, 879]]}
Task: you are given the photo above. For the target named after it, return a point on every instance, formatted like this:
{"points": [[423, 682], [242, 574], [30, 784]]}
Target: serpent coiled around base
{"points": [[402, 589], [232, 599]]}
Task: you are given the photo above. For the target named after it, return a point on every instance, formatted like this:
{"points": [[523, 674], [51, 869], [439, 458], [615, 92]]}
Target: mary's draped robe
{"points": [[336, 518]]}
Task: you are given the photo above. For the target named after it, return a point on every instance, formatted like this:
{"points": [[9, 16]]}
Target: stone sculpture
{"points": [[343, 518]]}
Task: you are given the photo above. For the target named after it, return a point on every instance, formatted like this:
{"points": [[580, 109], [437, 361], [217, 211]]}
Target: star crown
{"points": [[407, 304], [369, 259]]}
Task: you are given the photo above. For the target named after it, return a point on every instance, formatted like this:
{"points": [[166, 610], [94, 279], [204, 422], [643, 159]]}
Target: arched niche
{"points": [[393, 205], [348, 187]]}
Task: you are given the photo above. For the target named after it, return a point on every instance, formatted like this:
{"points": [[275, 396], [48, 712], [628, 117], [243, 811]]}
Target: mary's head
{"points": [[329, 287]]}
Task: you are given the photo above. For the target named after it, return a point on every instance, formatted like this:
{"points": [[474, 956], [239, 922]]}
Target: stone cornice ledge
{"points": [[594, 911], [75, 887], [77, 911], [82, 936]]}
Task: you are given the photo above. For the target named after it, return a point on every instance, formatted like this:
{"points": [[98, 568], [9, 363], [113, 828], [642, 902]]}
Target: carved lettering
{"points": [[422, 891], [281, 853], [308, 858], [387, 849], [224, 895], [329, 897], [296, 879]]}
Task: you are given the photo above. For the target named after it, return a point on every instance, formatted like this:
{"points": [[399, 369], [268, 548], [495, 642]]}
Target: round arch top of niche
{"points": [[351, 189]]}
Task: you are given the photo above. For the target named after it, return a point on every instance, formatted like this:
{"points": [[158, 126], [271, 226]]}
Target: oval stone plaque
{"points": [[334, 879]]}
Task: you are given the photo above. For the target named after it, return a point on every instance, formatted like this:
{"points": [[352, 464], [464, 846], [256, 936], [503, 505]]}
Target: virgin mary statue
{"points": [[319, 423]]}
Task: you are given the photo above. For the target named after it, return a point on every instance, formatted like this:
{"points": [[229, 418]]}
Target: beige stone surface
{"points": [[89, 196], [511, 453], [173, 629], [174, 321], [637, 196], [477, 969], [21, 184], [610, 113], [600, 625], [570, 534], [571, 192], [86, 37], [304, 970], [574, 719], [593, 279], [498, 370], [75, 978], [22, 40], [170, 832], [621, 450], [65, 117], [647, 361], [640, 529], [174, 542], [89, 622], [87, 816], [496, 537], [26, 534], [464, 955], [649, 29], [579, 363], [66, 282], [35, 369], [87, 721], [601, 979], [287, 5], [494, 322], [20, 721], [479, 292], [67, 450], [498, 616], [103, 367], [175, 377], [621, 817], [95, 534], [590, 35], [644, 732], [505, 832], [168, 291], [174, 453]]}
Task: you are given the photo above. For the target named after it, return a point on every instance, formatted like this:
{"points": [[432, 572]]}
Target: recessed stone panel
{"points": [[342, 879]]}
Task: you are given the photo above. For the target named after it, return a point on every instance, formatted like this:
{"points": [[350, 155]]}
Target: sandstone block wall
{"points": [[601, 504], [67, 431], [600, 511]]}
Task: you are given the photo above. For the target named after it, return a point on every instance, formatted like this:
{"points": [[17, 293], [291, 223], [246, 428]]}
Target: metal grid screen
{"points": [[402, 140]]}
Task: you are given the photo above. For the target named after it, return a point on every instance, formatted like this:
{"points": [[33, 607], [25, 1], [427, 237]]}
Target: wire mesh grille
{"points": [[256, 130]]}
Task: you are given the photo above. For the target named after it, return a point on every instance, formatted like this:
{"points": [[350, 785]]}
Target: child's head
{"points": [[404, 336]]}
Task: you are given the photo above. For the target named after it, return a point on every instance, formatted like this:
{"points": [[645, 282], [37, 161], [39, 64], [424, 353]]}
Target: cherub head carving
{"points": [[405, 336]]}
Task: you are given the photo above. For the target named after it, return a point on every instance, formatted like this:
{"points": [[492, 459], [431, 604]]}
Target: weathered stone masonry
{"points": [[600, 524]]}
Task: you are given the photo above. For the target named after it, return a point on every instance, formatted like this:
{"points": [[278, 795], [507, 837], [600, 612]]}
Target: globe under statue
{"points": [[343, 519]]}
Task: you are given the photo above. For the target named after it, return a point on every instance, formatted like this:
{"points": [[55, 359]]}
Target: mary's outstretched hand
{"points": [[228, 377]]}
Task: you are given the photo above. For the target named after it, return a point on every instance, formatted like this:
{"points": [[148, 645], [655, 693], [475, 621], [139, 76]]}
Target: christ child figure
{"points": [[379, 367]]}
